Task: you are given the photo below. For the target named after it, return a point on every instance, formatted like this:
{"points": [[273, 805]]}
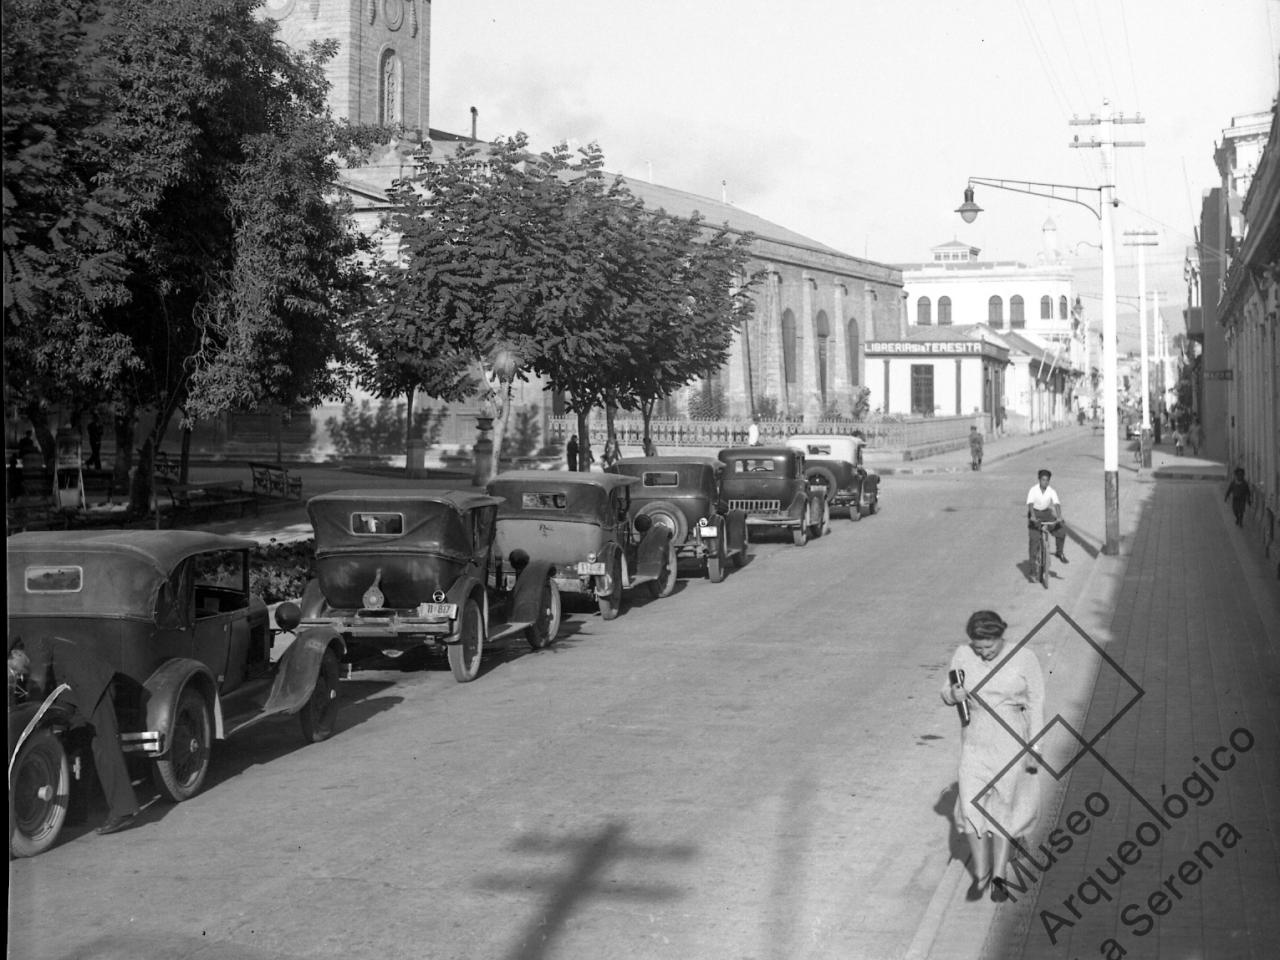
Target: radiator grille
{"points": [[758, 508]]}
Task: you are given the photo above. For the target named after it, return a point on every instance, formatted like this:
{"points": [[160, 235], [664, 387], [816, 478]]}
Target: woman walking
{"points": [[1011, 698]]}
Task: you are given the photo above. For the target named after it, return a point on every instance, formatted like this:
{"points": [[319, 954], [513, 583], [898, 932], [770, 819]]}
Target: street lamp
{"points": [[969, 211]]}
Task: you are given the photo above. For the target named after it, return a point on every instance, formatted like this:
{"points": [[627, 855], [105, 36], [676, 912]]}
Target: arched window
{"points": [[944, 311], [924, 314], [995, 312], [822, 328], [1017, 318], [1046, 308], [390, 89], [789, 346], [1062, 308], [851, 347]]}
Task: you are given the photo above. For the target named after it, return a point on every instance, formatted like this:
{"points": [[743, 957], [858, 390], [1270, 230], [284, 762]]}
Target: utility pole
{"points": [[1110, 435], [1143, 239]]}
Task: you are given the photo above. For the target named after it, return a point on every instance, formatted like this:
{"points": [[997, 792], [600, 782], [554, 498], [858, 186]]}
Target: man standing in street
{"points": [[1044, 505], [89, 678], [95, 443]]}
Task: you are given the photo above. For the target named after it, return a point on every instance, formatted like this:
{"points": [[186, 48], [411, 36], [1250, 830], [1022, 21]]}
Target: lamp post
{"points": [[969, 211]]}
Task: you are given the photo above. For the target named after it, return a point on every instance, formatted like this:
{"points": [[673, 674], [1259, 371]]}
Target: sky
{"points": [[858, 123]]}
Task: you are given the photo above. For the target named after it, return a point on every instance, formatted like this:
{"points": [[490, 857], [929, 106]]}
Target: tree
{"points": [[219, 267]]}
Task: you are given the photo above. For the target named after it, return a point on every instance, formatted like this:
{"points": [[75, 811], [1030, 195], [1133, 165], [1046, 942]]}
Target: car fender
{"points": [[313, 602], [605, 555], [26, 718], [735, 522], [526, 602], [299, 666], [795, 509], [163, 688], [467, 587], [817, 503], [653, 551]]}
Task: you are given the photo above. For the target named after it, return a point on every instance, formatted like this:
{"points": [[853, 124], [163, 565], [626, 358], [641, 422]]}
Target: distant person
{"points": [[650, 448], [1240, 495], [997, 783], [95, 443], [612, 453], [753, 434], [89, 677], [571, 452], [975, 449], [27, 446], [1178, 441], [1195, 436], [13, 478]]}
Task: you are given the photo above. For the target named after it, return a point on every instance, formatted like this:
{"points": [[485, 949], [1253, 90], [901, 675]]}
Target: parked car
{"points": [[400, 571], [835, 463], [769, 485], [683, 494], [580, 523], [190, 647]]}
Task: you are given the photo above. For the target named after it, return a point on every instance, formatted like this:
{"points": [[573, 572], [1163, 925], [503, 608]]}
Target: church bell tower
{"points": [[381, 72]]}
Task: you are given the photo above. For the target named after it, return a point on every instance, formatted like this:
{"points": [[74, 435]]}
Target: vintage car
{"points": [[769, 485], [170, 613], [580, 523], [406, 571], [835, 463], [683, 494]]}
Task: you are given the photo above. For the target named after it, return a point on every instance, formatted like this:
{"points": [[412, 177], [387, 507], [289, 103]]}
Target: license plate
{"points": [[438, 610], [590, 569], [709, 531]]}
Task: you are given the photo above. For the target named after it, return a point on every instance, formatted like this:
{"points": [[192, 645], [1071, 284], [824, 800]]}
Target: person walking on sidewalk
{"points": [[1011, 699], [975, 449], [1195, 437], [571, 452], [1240, 495], [1043, 504]]}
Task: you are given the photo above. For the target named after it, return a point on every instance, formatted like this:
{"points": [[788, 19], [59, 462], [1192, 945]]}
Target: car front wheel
{"points": [[464, 656], [39, 791], [800, 534], [611, 603], [180, 775], [320, 712]]}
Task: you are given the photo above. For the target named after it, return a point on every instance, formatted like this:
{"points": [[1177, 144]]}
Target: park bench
{"points": [[192, 498], [273, 479]]}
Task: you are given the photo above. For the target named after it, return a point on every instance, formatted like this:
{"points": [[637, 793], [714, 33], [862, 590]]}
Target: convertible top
{"points": [[584, 496], [121, 571], [433, 521]]}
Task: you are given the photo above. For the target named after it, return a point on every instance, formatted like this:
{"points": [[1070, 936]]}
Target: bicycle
{"points": [[1040, 564]]}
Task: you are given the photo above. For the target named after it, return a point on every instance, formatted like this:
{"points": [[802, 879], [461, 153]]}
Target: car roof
{"points": [[608, 481], [460, 500], [758, 452], [163, 548]]}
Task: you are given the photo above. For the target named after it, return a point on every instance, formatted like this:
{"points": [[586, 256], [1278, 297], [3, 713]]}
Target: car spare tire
{"points": [[668, 516], [822, 477]]}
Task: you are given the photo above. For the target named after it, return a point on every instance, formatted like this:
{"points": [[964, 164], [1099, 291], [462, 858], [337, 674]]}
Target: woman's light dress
{"points": [[1015, 693]]}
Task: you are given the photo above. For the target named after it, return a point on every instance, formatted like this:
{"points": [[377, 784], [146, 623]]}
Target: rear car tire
{"points": [[39, 793], [320, 713], [180, 775], [465, 655], [543, 632], [800, 534], [665, 585]]}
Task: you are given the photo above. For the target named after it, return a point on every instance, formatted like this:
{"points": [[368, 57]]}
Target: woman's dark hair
{"points": [[985, 625]]}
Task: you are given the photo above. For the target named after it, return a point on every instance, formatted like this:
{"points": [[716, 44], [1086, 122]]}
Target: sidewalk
{"points": [[1162, 839]]}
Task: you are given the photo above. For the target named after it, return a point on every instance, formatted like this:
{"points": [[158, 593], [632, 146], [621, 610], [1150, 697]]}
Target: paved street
{"points": [[756, 769]]}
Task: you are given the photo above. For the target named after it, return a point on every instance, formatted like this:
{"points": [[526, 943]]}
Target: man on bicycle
{"points": [[1043, 505]]}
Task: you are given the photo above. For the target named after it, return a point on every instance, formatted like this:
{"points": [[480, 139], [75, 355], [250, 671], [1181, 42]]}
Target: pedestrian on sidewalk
{"points": [[571, 452], [975, 449], [1178, 441], [612, 453], [1240, 495], [1195, 437], [1011, 699]]}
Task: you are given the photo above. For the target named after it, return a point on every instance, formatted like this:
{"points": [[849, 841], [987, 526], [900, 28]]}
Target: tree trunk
{"points": [[585, 455], [408, 426], [38, 417], [646, 414], [124, 424]]}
